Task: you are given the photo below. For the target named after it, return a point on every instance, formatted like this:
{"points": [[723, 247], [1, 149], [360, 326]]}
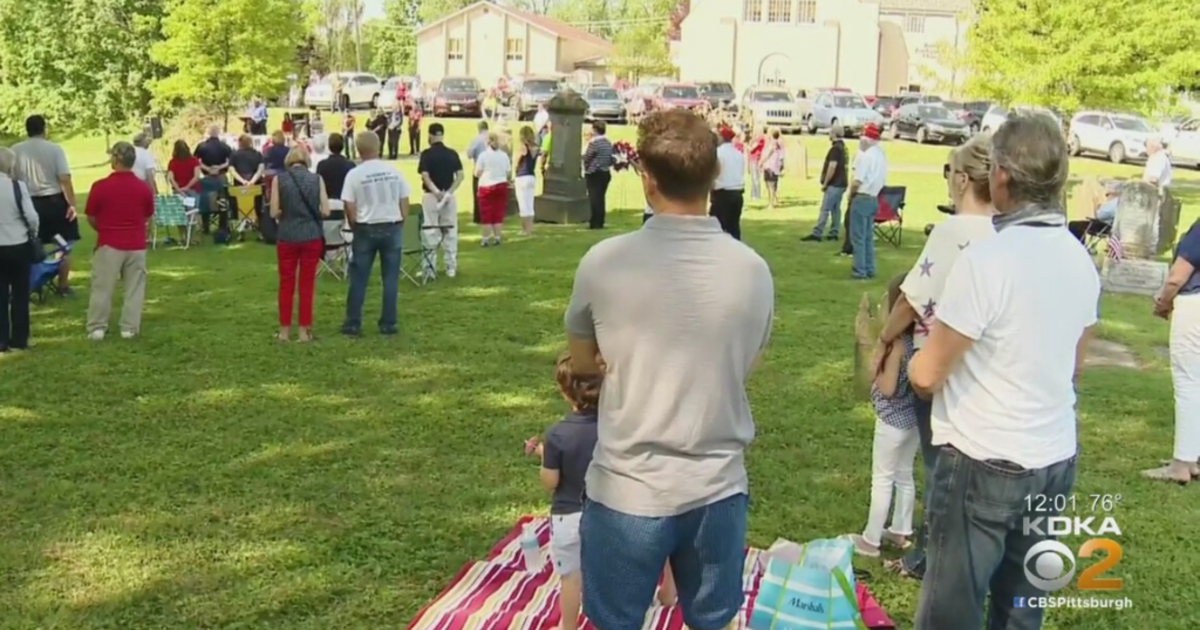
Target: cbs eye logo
{"points": [[1050, 565]]}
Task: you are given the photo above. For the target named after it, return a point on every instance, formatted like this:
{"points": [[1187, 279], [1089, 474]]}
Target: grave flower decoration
{"points": [[624, 156]]}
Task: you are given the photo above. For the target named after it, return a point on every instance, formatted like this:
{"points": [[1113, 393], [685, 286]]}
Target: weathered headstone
{"points": [[564, 195], [1144, 228], [1133, 275]]}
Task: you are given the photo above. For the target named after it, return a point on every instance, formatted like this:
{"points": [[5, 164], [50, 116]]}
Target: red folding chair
{"points": [[889, 221]]}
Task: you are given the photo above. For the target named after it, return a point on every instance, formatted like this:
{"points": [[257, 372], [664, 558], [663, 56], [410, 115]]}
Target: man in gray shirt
{"points": [[680, 313], [42, 165], [474, 150]]}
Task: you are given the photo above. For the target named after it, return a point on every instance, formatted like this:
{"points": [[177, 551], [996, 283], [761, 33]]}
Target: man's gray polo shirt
{"points": [[680, 311]]}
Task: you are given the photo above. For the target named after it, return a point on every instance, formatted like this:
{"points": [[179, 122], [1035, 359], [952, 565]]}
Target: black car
{"points": [[532, 92], [717, 93], [928, 123], [886, 106]]}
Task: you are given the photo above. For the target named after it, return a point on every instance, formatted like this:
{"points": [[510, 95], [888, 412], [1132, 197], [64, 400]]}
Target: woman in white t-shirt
{"points": [[967, 182], [494, 170]]}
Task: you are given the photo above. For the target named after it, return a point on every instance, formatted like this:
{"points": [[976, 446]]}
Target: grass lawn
{"points": [[204, 476]]}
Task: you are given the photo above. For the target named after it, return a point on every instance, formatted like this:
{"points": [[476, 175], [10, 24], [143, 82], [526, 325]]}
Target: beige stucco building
{"points": [[870, 46], [488, 41]]}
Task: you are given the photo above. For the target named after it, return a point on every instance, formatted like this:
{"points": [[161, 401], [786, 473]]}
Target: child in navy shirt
{"points": [[895, 447], [566, 454]]}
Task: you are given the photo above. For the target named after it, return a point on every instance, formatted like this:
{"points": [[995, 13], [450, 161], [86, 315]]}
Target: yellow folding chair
{"points": [[245, 201]]}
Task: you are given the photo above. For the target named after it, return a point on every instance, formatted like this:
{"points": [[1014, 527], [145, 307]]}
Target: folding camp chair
{"points": [[336, 258], [173, 211], [245, 203], [1096, 234], [889, 220], [414, 256]]}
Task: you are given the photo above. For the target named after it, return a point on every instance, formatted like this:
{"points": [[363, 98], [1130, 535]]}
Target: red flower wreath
{"points": [[624, 156]]}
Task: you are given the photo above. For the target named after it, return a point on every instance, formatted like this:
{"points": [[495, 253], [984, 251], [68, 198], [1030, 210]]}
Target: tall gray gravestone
{"points": [[1145, 226], [564, 195]]}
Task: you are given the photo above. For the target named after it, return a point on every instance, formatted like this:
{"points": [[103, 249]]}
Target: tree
{"points": [[433, 10], [1069, 54], [540, 7], [948, 73], [224, 51], [390, 39], [641, 45]]}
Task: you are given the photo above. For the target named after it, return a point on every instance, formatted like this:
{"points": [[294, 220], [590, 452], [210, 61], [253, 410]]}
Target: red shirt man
{"points": [[118, 208]]}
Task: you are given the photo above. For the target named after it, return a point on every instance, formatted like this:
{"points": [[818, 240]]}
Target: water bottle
{"points": [[529, 549]]}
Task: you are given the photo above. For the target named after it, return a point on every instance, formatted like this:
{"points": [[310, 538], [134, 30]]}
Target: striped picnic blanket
{"points": [[498, 594]]}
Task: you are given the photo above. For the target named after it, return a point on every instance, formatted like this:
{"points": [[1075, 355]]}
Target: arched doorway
{"points": [[773, 70]]}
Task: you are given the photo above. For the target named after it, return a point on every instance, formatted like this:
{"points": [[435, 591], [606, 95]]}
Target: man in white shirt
{"points": [[376, 198], [144, 164], [870, 175], [1158, 166], [541, 122], [1001, 363], [729, 189]]}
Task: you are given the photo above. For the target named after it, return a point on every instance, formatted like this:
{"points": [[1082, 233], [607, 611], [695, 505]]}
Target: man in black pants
{"points": [[214, 156], [729, 189], [395, 125], [42, 166], [597, 173]]}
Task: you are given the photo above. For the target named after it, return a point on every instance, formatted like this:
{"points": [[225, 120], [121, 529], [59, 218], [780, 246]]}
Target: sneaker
{"points": [[64, 291], [844, 255], [832, 237], [811, 238], [96, 335], [128, 334], [450, 273], [485, 242], [496, 242], [389, 330], [351, 332]]}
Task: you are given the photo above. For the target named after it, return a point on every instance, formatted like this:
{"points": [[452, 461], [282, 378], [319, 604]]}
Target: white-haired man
{"points": [[320, 150], [144, 165], [870, 175], [1001, 363], [1158, 166], [214, 156]]}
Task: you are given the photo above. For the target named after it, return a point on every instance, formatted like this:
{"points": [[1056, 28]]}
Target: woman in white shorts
{"points": [[526, 180]]}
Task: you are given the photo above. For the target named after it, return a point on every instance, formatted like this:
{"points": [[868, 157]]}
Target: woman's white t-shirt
{"points": [[493, 167], [924, 284]]}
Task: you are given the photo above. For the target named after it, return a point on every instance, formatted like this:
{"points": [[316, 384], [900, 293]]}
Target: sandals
{"points": [[896, 567]]}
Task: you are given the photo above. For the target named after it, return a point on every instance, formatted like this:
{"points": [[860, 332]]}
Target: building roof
{"points": [[550, 25], [938, 6]]}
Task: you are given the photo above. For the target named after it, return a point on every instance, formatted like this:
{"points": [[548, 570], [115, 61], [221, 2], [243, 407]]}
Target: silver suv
{"points": [[1120, 137], [772, 107]]}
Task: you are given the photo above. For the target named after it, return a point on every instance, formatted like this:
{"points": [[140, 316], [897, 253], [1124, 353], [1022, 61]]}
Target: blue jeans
{"points": [[863, 209], [914, 560], [624, 555], [831, 206], [384, 239], [977, 545]]}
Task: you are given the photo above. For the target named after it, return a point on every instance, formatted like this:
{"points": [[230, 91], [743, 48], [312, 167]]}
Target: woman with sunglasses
{"points": [[967, 185]]}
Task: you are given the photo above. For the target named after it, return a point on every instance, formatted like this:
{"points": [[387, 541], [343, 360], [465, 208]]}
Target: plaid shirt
{"points": [[898, 411]]}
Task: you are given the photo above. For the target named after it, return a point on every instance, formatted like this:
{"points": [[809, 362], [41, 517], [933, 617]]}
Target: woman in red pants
{"points": [[299, 204], [494, 170]]}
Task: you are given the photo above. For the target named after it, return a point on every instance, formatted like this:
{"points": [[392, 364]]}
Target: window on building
{"points": [[914, 24], [454, 48], [808, 12], [514, 49], [752, 11], [779, 11]]}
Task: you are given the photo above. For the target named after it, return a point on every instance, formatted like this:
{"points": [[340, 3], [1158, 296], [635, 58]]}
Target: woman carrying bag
{"points": [[19, 249], [299, 203]]}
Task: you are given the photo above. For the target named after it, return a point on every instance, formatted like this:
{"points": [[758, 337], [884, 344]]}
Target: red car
{"points": [[676, 96]]}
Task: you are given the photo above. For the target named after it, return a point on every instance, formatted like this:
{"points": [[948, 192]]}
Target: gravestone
{"points": [[1145, 227], [564, 195]]}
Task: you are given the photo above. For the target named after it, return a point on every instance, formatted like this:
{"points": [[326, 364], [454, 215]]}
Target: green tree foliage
{"points": [[221, 52], [1068, 54], [391, 39], [641, 43], [82, 64], [432, 10]]}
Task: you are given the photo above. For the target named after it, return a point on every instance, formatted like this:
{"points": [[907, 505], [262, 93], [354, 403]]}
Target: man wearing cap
{"points": [[118, 208], [870, 175], [441, 172], [1102, 219], [729, 189], [833, 187]]}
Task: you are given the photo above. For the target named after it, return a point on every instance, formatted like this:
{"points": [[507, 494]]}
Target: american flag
{"points": [[1115, 251]]}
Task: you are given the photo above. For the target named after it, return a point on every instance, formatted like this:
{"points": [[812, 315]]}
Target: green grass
{"points": [[204, 476]]}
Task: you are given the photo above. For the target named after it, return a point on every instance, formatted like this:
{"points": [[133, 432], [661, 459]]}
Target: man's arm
{"points": [[93, 205], [459, 176], [348, 200], [1081, 350], [830, 169], [1181, 270], [937, 359], [580, 323]]}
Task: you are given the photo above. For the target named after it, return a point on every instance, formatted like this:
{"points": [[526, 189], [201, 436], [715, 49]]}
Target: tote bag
{"points": [[816, 593]]}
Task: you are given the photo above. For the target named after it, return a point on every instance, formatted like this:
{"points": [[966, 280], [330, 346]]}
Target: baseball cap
{"points": [[437, 129], [870, 131]]}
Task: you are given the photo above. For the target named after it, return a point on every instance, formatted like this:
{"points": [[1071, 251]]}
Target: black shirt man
{"points": [[833, 185], [333, 169]]}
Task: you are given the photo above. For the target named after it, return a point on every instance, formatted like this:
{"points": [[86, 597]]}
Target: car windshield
{"points": [[772, 97], [849, 102], [680, 91], [952, 105], [606, 94], [718, 88], [459, 85], [1130, 124], [540, 87], [934, 112]]}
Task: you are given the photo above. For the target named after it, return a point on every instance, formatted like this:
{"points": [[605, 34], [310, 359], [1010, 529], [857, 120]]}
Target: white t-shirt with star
{"points": [[924, 283]]}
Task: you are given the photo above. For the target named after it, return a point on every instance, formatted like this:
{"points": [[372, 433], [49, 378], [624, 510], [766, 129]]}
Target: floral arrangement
{"points": [[625, 157]]}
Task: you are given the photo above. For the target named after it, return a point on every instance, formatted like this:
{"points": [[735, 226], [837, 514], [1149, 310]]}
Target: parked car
{"points": [[1119, 137], [458, 96], [387, 97], [844, 108], [886, 105], [1185, 144], [530, 92], [717, 93], [928, 123], [676, 96], [969, 113], [604, 103], [358, 90], [772, 107], [996, 115], [919, 99]]}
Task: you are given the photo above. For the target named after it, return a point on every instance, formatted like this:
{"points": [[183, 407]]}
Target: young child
{"points": [[566, 455], [895, 448]]}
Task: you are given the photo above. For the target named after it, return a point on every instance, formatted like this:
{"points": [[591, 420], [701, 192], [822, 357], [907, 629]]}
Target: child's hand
{"points": [[533, 445]]}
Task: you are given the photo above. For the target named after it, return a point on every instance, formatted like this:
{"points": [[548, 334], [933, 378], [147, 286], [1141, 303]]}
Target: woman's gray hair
{"points": [[1032, 149], [320, 143], [8, 161]]}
